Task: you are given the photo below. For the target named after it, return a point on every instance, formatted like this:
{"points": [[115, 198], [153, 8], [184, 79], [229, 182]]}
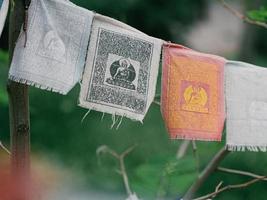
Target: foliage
{"points": [[158, 18], [3, 65], [258, 15]]}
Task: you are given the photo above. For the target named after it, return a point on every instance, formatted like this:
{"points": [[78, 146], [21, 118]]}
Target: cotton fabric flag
{"points": [[192, 94], [246, 101], [55, 53], [121, 70], [3, 13]]}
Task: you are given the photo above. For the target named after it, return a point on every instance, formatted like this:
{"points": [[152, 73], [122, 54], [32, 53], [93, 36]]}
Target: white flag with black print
{"points": [[121, 69]]}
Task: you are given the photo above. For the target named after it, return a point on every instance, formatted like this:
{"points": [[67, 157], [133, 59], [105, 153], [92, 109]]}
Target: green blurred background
{"points": [[60, 140]]}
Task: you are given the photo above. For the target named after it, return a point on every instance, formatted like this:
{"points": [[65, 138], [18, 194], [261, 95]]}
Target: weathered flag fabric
{"points": [[55, 53], [121, 70], [246, 104], [192, 94], [3, 13]]}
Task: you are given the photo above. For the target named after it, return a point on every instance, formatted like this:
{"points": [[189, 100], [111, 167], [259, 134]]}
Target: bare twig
{"points": [[239, 172], [230, 187], [210, 168], [123, 169], [218, 186], [156, 99], [161, 191], [241, 16], [182, 149], [120, 158], [194, 145], [4, 148], [179, 155], [12, 5], [127, 151], [157, 102]]}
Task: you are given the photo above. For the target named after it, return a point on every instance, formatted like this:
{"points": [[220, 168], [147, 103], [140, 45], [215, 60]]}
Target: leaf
{"points": [[171, 177], [3, 96], [258, 15]]}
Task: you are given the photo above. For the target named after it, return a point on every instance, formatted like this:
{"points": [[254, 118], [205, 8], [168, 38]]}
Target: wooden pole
{"points": [[18, 112]]}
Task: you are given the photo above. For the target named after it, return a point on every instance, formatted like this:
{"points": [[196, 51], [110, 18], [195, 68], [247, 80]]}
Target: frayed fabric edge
{"points": [[246, 147], [115, 122], [185, 137], [37, 85], [113, 114]]}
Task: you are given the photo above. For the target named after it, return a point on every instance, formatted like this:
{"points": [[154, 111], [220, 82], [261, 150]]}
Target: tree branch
{"points": [[19, 116], [4, 148], [182, 149], [120, 158], [210, 168], [230, 187], [239, 172], [157, 102], [195, 153], [127, 151], [241, 16]]}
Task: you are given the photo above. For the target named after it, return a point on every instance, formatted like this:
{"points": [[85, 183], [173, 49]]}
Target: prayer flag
{"points": [[246, 104], [192, 100], [121, 70], [57, 40], [3, 13]]}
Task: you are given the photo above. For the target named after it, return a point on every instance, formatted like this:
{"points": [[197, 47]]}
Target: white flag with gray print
{"points": [[3, 13], [121, 69], [246, 103], [55, 53]]}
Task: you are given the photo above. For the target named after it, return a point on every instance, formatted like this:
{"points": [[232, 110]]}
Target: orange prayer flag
{"points": [[192, 94]]}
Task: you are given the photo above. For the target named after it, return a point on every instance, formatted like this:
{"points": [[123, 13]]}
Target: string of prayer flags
{"points": [[192, 94], [121, 70], [3, 13], [118, 66], [55, 52], [246, 101]]}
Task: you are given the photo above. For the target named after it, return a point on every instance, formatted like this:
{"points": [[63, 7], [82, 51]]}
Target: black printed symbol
{"points": [[122, 74]]}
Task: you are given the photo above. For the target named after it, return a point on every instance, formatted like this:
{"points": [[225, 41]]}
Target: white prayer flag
{"points": [[3, 13], [121, 70], [246, 101], [55, 53]]}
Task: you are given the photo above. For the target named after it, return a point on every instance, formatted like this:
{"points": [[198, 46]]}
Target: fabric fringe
{"points": [[116, 118], [119, 124], [85, 115], [244, 148], [115, 121], [37, 85], [111, 113], [103, 114], [186, 137]]}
